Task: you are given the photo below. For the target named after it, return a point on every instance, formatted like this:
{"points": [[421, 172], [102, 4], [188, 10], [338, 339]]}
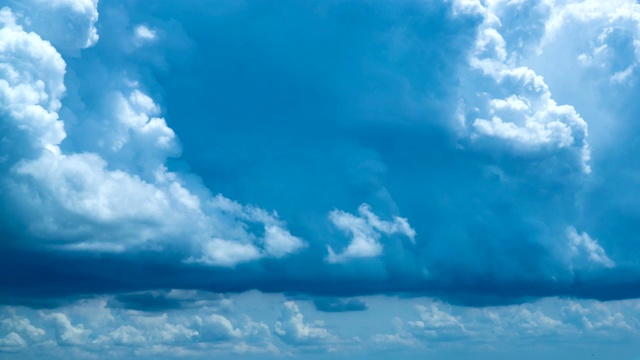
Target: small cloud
{"points": [[582, 245], [12, 343], [292, 329], [66, 332], [143, 34], [365, 231]]}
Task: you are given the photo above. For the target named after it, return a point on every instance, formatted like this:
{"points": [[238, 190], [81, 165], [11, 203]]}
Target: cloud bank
{"points": [[478, 152]]}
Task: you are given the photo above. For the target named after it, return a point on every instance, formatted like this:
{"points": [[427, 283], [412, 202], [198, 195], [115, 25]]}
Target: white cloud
{"points": [[365, 231], [473, 7], [160, 330], [222, 252], [68, 24], [583, 247], [433, 318], [31, 86], [437, 324], [535, 323], [280, 243], [12, 343], [510, 104], [217, 327], [66, 332], [292, 329], [118, 195], [23, 326], [202, 331], [144, 34], [606, 33], [595, 317], [127, 335]]}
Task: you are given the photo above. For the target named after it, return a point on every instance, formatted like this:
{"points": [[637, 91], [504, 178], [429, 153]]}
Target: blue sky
{"points": [[324, 180]]}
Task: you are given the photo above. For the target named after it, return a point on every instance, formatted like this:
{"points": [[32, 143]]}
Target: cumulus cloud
{"points": [[597, 317], [68, 24], [66, 332], [583, 246], [160, 330], [12, 343], [143, 34], [90, 328], [365, 231], [23, 326], [218, 327], [121, 183], [438, 324], [292, 329], [127, 335], [434, 321], [30, 91], [513, 103], [94, 193]]}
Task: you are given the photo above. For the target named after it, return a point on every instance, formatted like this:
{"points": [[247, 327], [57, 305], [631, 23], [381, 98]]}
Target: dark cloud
{"points": [[339, 305], [354, 107], [148, 301]]}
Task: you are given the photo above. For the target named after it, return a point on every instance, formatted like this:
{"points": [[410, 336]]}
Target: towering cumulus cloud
{"points": [[358, 179], [84, 201]]}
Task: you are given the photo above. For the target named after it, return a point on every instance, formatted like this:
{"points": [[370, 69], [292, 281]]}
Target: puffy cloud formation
{"points": [[292, 329], [69, 25], [94, 329], [583, 244], [438, 324], [79, 196], [365, 231], [525, 116], [105, 152], [488, 147]]}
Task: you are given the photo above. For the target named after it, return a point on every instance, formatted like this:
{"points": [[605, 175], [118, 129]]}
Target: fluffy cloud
{"points": [[113, 151], [583, 245], [143, 34], [23, 326], [438, 324], [66, 332], [525, 117], [92, 329], [292, 329], [12, 343], [68, 24], [365, 231], [30, 91], [122, 184]]}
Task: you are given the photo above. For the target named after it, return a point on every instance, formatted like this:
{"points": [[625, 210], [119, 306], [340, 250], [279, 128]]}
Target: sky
{"points": [[413, 179]]}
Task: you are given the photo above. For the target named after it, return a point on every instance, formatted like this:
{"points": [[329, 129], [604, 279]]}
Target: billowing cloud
{"points": [[96, 149], [437, 324], [79, 195], [292, 328], [583, 245], [524, 115], [365, 231], [488, 147]]}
